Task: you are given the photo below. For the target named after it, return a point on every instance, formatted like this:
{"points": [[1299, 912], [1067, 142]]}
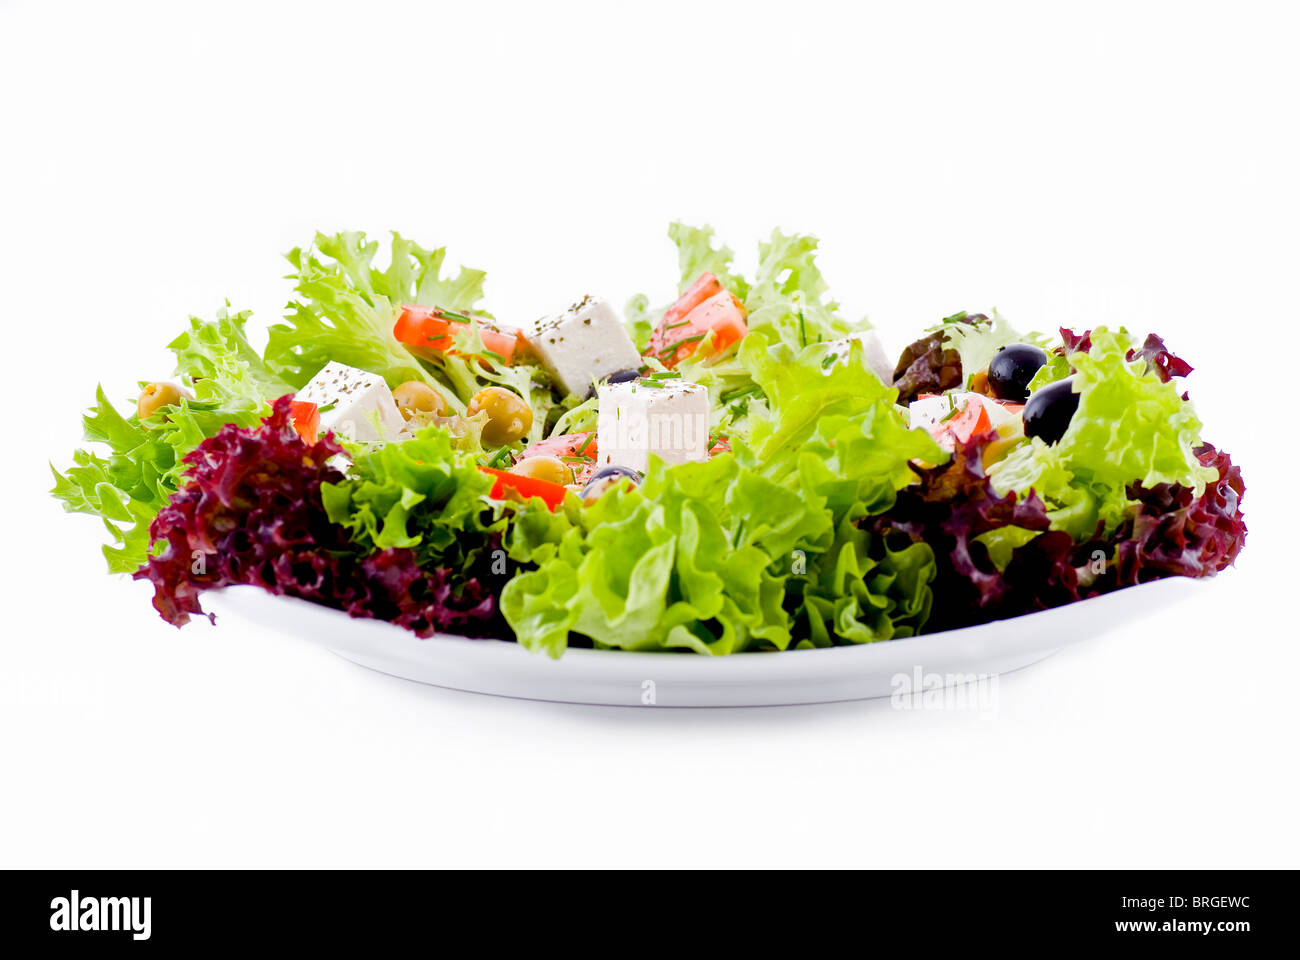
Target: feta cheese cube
{"points": [[583, 344], [928, 412], [635, 420], [873, 351], [353, 403]]}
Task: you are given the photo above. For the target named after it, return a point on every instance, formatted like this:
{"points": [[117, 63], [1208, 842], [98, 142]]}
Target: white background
{"points": [[1131, 163]]}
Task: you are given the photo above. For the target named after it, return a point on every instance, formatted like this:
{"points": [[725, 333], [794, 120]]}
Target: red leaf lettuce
{"points": [[249, 511]]}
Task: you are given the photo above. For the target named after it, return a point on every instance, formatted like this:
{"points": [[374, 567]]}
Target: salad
{"points": [[739, 469]]}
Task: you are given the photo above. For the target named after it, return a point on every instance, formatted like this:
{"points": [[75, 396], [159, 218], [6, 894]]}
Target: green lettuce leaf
{"points": [[755, 550], [140, 466], [787, 295], [345, 307], [422, 494], [651, 568], [1056, 368], [976, 343], [860, 591], [807, 398], [580, 418], [1130, 427], [696, 254]]}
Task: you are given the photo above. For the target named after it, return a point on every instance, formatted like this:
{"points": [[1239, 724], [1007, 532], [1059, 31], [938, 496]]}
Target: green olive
{"points": [[551, 469], [509, 417], [158, 395], [414, 397]]}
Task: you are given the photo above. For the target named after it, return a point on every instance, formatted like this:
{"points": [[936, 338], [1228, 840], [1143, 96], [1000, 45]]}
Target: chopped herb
{"points": [[577, 460], [501, 456], [494, 355], [452, 315], [674, 326], [676, 345], [803, 332], [739, 392]]}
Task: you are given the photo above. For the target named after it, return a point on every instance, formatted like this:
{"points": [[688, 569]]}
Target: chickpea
{"points": [[414, 397], [158, 395], [551, 469], [509, 416]]}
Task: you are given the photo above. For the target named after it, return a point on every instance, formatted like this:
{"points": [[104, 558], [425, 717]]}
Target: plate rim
{"points": [[1172, 584]]}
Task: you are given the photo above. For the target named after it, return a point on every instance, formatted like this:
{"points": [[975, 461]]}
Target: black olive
{"points": [[1011, 369], [607, 477], [618, 376], [1050, 409]]}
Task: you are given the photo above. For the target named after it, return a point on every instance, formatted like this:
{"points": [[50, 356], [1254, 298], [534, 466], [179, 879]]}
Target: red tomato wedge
{"points": [[428, 328], [723, 445], [722, 314], [552, 494], [306, 419]]}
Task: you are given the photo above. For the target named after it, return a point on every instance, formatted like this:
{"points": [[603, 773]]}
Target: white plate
{"points": [[687, 680]]}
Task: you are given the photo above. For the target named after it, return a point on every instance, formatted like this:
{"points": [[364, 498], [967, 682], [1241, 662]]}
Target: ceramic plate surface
{"points": [[620, 678]]}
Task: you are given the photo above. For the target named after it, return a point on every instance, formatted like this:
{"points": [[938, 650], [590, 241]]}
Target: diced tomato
{"points": [[568, 445], [706, 285], [722, 446], [428, 328], [1013, 409], [552, 494], [972, 421], [721, 313], [582, 444], [306, 419]]}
